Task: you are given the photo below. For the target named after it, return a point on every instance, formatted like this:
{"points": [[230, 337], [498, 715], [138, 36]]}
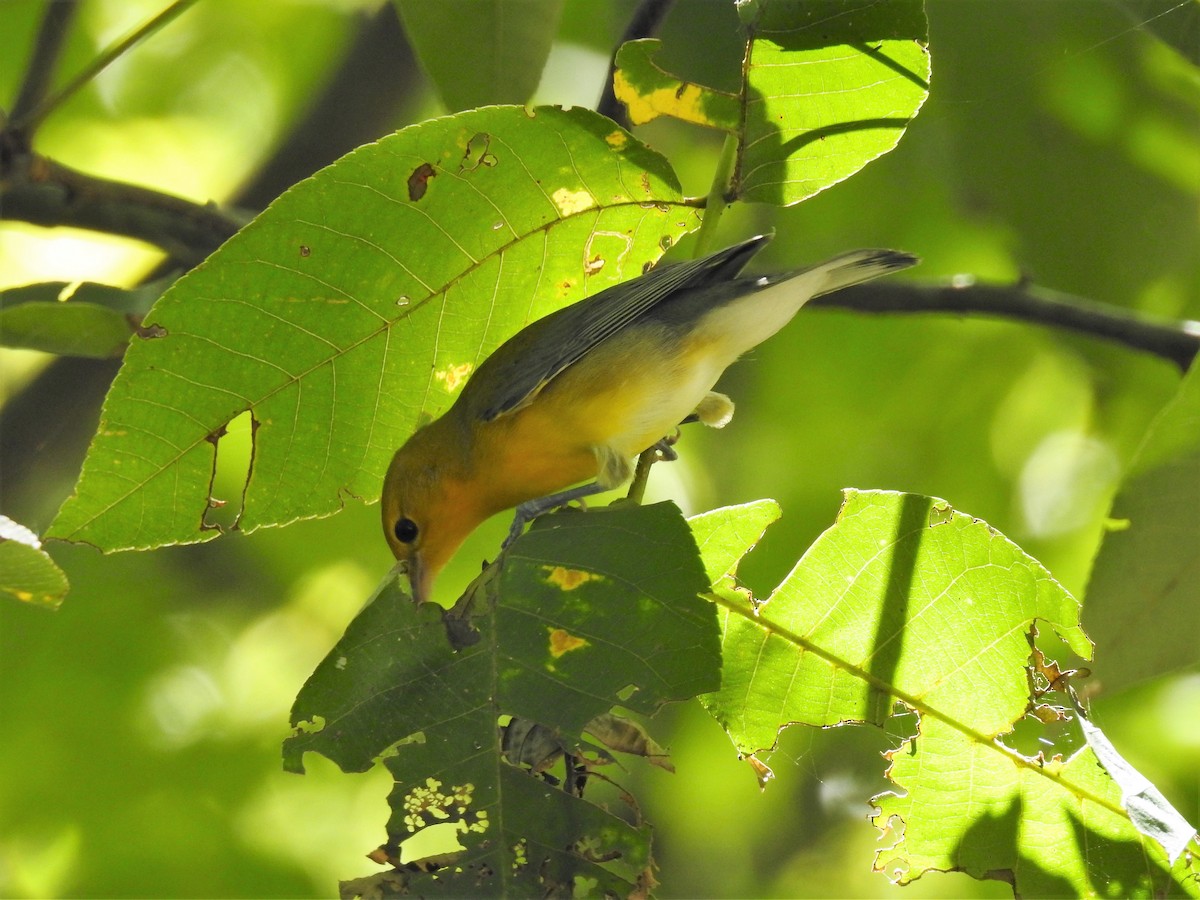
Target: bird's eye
{"points": [[406, 530]]}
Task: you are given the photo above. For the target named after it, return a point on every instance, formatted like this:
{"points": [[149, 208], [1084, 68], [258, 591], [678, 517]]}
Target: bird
{"points": [[577, 395]]}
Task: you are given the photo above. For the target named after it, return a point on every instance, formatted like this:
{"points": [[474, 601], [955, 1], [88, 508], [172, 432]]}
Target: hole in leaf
{"points": [[235, 454], [151, 331], [418, 181]]}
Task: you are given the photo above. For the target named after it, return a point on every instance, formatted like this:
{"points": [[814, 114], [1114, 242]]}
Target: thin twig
{"points": [[47, 50], [645, 22], [1177, 341], [30, 120]]}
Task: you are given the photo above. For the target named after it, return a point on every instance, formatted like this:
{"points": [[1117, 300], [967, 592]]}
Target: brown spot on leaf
{"points": [[418, 181], [305, 251]]}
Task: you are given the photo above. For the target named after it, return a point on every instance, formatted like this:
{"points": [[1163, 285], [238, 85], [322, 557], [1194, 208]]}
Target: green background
{"points": [[142, 722]]}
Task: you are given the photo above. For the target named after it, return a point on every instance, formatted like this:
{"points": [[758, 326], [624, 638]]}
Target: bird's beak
{"points": [[420, 580]]}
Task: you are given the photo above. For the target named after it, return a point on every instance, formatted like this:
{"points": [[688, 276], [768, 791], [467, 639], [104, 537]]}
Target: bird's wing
{"points": [[520, 368]]}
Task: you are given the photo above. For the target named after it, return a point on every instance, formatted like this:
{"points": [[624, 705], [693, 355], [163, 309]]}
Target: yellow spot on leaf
{"points": [[569, 579], [617, 139], [564, 642], [571, 202], [682, 101], [453, 377]]}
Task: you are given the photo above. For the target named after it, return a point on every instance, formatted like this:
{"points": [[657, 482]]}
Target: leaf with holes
{"points": [[358, 302], [583, 612], [902, 597], [1048, 827]]}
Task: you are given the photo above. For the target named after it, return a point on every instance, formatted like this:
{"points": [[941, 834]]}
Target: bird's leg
{"points": [[531, 509]]}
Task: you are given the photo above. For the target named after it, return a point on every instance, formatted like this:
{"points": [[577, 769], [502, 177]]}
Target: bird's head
{"points": [[428, 507]]}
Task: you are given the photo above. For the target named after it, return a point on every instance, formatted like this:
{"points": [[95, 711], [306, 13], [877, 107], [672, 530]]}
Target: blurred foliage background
{"points": [[142, 721]]}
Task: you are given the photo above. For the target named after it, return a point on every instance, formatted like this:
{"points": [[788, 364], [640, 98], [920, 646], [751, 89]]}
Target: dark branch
{"points": [[645, 22], [40, 191], [46, 52], [1172, 340]]}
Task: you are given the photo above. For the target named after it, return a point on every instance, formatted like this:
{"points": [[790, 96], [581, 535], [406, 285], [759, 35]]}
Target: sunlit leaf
{"points": [[358, 302], [725, 535], [830, 86], [27, 573], [903, 596], [583, 612], [1050, 828], [480, 52], [1143, 599]]}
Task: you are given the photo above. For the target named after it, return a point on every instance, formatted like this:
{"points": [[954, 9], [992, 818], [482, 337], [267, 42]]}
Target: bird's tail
{"points": [[850, 268]]}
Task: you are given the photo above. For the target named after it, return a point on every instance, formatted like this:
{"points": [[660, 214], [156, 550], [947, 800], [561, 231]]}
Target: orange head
{"points": [[428, 505]]}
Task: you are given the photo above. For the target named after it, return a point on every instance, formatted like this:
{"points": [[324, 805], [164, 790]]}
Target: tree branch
{"points": [[1177, 341], [40, 191], [645, 22]]}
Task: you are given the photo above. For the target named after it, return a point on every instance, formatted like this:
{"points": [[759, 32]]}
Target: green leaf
{"points": [[358, 303], [1047, 827], [902, 597], [27, 573], [479, 52], [1144, 590], [566, 628], [725, 535], [830, 86], [75, 319]]}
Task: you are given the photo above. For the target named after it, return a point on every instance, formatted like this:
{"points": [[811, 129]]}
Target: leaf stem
{"points": [[29, 121], [912, 702], [718, 195]]}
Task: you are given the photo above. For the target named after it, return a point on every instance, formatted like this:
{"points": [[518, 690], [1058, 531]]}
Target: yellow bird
{"points": [[577, 395]]}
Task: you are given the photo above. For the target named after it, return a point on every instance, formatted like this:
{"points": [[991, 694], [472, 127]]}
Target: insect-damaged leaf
{"points": [[359, 301], [564, 629], [827, 86]]}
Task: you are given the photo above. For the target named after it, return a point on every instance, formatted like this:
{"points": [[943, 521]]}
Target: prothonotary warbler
{"points": [[577, 395]]}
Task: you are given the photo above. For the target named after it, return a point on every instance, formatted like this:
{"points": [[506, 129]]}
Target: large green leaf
{"points": [[479, 52], [828, 86], [902, 597], [1049, 827], [906, 598], [583, 612], [357, 303], [1144, 590]]}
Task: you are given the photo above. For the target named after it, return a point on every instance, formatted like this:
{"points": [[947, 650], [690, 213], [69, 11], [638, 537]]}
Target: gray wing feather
{"points": [[566, 336]]}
